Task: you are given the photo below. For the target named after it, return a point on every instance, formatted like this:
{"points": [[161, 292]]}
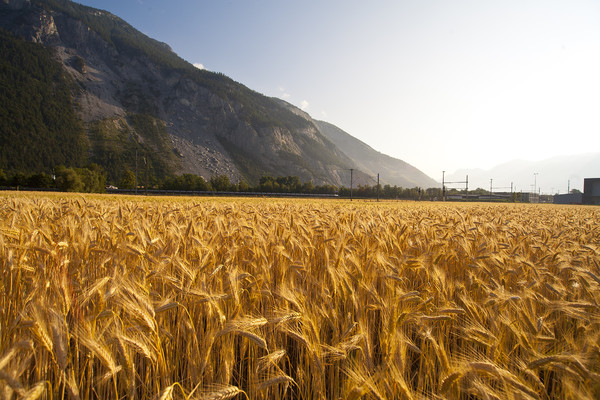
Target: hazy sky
{"points": [[441, 84]]}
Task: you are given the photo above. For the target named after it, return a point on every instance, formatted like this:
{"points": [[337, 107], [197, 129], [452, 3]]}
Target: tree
{"points": [[128, 180], [200, 184], [68, 180], [93, 178], [265, 183], [41, 180], [242, 186], [308, 187], [220, 183], [289, 184], [266, 186], [18, 179]]}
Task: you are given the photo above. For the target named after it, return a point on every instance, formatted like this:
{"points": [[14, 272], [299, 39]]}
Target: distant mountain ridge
{"points": [[553, 175], [368, 161], [391, 170], [141, 103]]}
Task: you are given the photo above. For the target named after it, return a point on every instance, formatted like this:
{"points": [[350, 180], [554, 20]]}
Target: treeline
{"points": [[266, 184], [391, 192], [90, 179], [93, 179]]}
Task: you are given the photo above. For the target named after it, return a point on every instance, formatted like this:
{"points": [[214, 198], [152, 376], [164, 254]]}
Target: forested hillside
{"points": [[40, 129]]}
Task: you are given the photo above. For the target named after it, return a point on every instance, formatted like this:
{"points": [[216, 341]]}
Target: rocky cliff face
{"points": [[32, 23], [212, 125]]}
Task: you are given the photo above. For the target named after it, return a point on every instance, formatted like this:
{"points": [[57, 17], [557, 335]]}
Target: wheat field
{"points": [[159, 298]]}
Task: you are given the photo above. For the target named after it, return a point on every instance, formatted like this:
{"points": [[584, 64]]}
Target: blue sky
{"points": [[440, 84]]}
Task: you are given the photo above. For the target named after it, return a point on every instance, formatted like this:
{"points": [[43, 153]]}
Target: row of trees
{"points": [[389, 192], [93, 179], [90, 179], [266, 184]]}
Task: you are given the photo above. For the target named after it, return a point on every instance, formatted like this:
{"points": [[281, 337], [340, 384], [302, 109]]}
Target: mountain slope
{"points": [[39, 126], [391, 170], [141, 104], [368, 161]]}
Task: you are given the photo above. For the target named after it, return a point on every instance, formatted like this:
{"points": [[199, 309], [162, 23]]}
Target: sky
{"points": [[440, 84]]}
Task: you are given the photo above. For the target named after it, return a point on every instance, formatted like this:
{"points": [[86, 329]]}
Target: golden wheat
{"points": [[122, 297]]}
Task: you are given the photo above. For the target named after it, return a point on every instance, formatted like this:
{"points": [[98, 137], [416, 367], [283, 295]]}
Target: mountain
{"points": [[391, 170], [554, 175], [132, 103], [368, 161]]}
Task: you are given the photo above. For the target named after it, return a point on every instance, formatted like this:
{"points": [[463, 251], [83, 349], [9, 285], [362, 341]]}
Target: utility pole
{"points": [[351, 173], [146, 176], [491, 188], [535, 174], [136, 165], [443, 186], [377, 187], [467, 185]]}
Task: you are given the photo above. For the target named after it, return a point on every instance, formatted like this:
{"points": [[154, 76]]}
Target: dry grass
{"points": [[268, 299]]}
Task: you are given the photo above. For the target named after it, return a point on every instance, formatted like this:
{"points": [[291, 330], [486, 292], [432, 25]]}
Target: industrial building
{"points": [[591, 191], [527, 197], [569, 198]]}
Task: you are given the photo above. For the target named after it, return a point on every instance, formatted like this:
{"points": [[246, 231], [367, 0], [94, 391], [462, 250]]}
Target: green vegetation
{"points": [[121, 146], [220, 183], [40, 129], [392, 192], [93, 179], [188, 182], [138, 99], [128, 181], [267, 184], [90, 179]]}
